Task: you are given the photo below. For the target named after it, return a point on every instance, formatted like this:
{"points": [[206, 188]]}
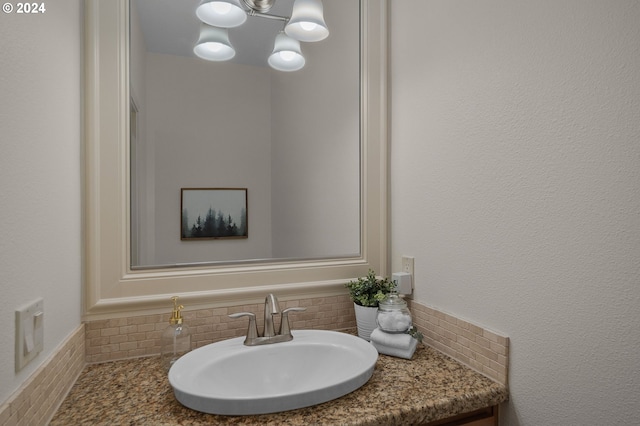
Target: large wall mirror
{"points": [[308, 146]]}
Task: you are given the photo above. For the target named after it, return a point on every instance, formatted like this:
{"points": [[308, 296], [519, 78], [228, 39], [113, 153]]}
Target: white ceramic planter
{"points": [[365, 320]]}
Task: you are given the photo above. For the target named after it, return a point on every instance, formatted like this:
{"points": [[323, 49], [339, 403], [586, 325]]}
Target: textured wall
{"points": [[40, 211], [515, 184]]}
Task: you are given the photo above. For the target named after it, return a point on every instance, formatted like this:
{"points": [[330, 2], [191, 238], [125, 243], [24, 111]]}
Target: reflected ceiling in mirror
{"points": [[292, 139]]}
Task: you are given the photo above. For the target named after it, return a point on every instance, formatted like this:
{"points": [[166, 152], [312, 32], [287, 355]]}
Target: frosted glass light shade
{"points": [[214, 44], [286, 55], [221, 13], [307, 21]]}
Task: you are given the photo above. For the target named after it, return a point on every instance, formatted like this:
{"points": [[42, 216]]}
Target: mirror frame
{"points": [[112, 288]]}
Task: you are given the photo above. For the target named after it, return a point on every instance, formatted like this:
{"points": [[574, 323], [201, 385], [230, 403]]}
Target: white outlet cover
{"points": [[29, 332], [408, 264]]}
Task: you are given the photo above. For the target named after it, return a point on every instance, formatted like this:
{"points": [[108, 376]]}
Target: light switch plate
{"points": [[29, 332]]}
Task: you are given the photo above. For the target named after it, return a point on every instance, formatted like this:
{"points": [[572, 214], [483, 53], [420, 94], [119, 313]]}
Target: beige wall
{"points": [[200, 140], [40, 177], [516, 186], [315, 158]]}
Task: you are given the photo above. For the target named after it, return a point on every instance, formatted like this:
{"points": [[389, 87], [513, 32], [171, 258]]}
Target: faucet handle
{"points": [[284, 320], [252, 330]]}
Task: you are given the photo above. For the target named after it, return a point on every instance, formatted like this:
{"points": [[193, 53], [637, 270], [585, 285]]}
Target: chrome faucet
{"points": [[271, 308]]}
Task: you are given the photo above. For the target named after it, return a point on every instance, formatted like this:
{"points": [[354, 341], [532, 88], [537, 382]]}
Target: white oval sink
{"points": [[230, 378]]}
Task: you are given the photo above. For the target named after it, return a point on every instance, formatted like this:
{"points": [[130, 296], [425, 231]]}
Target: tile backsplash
{"points": [[479, 348], [483, 350], [112, 339], [40, 396]]}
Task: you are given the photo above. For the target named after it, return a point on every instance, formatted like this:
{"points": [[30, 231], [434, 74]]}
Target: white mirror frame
{"points": [[112, 288]]}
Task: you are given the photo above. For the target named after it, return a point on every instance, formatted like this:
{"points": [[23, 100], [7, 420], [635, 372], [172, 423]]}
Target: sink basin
{"points": [[229, 378]]}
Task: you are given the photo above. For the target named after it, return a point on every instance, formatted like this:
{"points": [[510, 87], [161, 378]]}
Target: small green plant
{"points": [[413, 332], [369, 290]]}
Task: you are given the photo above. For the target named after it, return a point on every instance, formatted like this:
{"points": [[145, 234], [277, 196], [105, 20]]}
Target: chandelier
{"points": [[306, 24]]}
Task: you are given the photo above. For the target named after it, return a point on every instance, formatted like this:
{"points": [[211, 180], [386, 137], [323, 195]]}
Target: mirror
{"points": [[115, 287], [292, 139]]}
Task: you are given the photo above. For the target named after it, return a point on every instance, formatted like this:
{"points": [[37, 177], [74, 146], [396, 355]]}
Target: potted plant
{"points": [[366, 293]]}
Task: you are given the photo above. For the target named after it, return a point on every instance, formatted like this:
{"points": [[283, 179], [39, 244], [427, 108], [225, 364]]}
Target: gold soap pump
{"points": [[176, 338]]}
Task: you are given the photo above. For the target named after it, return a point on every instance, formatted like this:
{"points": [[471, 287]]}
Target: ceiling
{"points": [[171, 27]]}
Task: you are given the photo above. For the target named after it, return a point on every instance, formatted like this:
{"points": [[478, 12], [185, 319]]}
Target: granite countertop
{"points": [[430, 386]]}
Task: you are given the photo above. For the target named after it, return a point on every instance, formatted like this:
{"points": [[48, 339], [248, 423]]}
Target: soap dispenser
{"points": [[176, 338]]}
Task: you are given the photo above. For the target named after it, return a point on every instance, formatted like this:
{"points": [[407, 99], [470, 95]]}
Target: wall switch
{"points": [[29, 332]]}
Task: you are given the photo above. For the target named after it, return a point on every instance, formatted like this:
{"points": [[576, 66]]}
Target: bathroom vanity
{"points": [[429, 389]]}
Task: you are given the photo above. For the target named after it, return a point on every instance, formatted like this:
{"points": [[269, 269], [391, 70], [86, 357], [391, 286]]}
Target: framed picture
{"points": [[213, 213]]}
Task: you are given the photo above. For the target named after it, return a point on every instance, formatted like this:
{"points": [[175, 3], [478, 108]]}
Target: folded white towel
{"points": [[400, 340], [397, 352]]}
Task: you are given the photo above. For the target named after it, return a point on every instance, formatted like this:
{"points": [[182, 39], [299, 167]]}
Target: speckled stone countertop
{"points": [[430, 386]]}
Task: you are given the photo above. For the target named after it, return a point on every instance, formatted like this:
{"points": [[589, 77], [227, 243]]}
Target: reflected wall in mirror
{"points": [[293, 139]]}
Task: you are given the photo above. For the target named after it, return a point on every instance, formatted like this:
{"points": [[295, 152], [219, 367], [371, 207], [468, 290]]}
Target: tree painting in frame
{"points": [[213, 213]]}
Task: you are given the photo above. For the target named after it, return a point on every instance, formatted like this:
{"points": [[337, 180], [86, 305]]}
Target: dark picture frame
{"points": [[213, 213]]}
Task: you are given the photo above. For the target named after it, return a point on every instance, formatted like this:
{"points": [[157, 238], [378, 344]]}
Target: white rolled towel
{"points": [[406, 353], [401, 340]]}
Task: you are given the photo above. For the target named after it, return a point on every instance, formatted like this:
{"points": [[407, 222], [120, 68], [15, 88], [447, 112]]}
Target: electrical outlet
{"points": [[407, 265]]}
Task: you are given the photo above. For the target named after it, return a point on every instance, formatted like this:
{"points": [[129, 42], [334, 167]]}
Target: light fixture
{"points": [[214, 44], [221, 13], [286, 55], [262, 6], [305, 24], [307, 21]]}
